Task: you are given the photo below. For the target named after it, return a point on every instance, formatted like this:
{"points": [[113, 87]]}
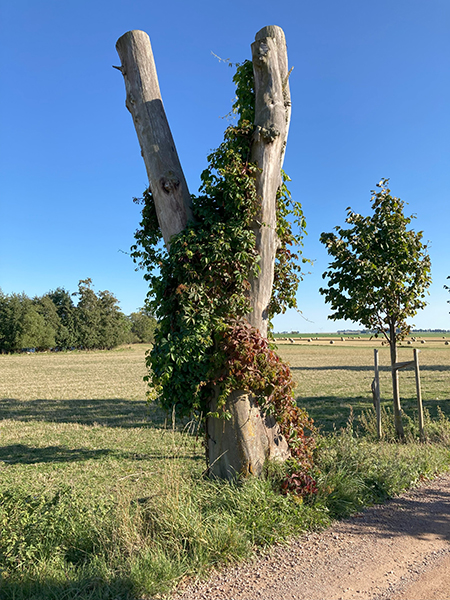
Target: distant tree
{"points": [[143, 326], [113, 325], [66, 335], [36, 333], [379, 274], [87, 316], [53, 320], [10, 322], [48, 311], [22, 326]]}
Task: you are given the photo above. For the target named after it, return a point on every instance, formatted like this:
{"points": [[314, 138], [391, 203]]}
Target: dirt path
{"points": [[397, 551]]}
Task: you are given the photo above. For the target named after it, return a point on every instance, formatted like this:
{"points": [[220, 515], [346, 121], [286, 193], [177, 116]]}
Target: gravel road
{"points": [[396, 551]]}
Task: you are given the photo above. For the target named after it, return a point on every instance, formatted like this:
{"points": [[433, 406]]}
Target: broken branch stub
{"points": [[143, 100]]}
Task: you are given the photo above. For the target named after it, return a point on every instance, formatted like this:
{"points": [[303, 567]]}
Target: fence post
{"points": [[376, 395], [419, 394]]}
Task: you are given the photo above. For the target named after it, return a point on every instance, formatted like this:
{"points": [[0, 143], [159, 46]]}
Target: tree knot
{"points": [[268, 134], [170, 182]]}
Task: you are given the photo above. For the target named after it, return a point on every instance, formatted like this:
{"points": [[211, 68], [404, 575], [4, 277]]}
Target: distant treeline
{"points": [[368, 332], [54, 321]]}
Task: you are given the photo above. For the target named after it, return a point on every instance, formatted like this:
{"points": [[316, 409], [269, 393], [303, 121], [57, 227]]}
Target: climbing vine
{"points": [[199, 289]]}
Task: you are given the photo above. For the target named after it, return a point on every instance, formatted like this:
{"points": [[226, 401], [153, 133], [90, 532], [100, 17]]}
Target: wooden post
{"points": [[419, 394], [377, 395]]}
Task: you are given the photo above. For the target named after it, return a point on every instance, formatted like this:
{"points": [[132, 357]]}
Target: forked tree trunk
{"points": [[243, 443], [272, 118]]}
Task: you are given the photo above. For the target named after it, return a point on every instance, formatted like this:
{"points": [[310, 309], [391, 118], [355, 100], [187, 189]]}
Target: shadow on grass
{"points": [[30, 455], [86, 589], [333, 412], [369, 368], [112, 412]]}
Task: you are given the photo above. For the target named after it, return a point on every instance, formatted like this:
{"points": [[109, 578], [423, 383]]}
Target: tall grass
{"points": [[357, 471], [65, 544]]}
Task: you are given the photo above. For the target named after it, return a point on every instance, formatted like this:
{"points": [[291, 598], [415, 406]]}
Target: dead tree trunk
{"points": [[272, 118], [255, 437], [165, 175], [243, 443]]}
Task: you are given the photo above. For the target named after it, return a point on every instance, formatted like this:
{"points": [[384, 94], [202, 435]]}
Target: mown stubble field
{"points": [[61, 414], [102, 496]]}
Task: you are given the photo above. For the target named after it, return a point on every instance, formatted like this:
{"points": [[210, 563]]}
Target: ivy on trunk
{"points": [[227, 269]]}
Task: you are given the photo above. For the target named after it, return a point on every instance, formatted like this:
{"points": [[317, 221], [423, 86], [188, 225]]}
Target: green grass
{"points": [[104, 498], [334, 380]]}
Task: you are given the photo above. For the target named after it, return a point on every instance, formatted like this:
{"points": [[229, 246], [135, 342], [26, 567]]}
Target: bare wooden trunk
{"points": [[272, 117], [242, 444], [165, 175]]}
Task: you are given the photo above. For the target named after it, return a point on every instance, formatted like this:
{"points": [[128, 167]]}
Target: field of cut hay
{"points": [[102, 496]]}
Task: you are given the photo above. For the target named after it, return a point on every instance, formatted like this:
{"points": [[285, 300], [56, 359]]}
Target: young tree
{"points": [[379, 274], [224, 251]]}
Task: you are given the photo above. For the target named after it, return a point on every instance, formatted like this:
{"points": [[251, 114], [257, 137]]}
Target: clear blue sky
{"points": [[371, 99]]}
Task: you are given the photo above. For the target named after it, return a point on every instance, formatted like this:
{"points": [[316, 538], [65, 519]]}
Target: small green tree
{"points": [[36, 333], [379, 274], [22, 325], [48, 311], [11, 316], [113, 326]]}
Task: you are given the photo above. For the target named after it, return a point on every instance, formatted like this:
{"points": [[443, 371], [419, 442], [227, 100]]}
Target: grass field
{"points": [[333, 379], [102, 497]]}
